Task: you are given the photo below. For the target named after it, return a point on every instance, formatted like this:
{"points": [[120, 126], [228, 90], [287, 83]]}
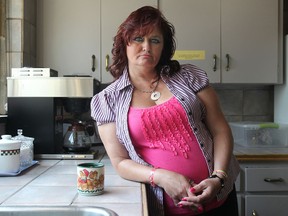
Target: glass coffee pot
{"points": [[77, 138]]}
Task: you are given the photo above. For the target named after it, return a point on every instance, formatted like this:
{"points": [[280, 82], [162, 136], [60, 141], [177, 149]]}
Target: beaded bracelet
{"points": [[151, 177]]}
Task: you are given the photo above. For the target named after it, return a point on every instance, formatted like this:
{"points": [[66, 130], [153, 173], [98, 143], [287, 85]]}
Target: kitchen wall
{"points": [[21, 34], [239, 102], [246, 102], [18, 41], [2, 56]]}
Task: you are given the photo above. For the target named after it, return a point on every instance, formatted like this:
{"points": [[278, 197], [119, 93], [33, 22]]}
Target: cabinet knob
{"points": [[254, 213]]}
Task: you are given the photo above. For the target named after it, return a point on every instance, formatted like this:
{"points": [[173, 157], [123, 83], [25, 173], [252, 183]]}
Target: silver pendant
{"points": [[155, 95]]}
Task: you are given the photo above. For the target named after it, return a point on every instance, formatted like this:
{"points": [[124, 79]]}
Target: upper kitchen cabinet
{"points": [[197, 26], [234, 41], [68, 36], [76, 37], [113, 14]]}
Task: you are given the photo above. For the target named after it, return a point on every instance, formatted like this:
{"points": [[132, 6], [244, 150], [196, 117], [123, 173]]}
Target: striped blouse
{"points": [[112, 105]]}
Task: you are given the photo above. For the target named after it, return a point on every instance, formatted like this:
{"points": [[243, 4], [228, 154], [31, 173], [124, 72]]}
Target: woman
{"points": [[161, 123]]}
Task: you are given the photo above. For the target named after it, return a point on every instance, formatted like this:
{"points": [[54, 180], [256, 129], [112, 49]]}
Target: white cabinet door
{"points": [[68, 35], [250, 37], [197, 26], [245, 30], [113, 13]]}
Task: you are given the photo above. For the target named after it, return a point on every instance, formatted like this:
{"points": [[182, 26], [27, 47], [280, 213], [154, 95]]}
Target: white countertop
{"points": [[53, 183]]}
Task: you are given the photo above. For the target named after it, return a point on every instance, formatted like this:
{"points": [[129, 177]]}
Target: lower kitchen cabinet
{"points": [[262, 188], [261, 205]]}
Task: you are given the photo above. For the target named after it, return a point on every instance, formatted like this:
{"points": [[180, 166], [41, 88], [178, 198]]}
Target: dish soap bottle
{"points": [[26, 149]]}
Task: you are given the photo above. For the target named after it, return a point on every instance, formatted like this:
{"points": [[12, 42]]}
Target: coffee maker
{"points": [[79, 129], [41, 106]]}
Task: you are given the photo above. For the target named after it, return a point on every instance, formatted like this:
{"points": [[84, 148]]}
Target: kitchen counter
{"points": [[53, 183], [260, 153]]}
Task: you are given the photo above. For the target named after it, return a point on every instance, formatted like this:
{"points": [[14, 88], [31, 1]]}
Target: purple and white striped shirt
{"points": [[112, 105]]}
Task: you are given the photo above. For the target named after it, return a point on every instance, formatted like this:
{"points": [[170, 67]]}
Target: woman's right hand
{"points": [[175, 185]]}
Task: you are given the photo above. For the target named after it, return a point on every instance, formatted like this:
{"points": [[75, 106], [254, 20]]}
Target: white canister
{"points": [[9, 154]]}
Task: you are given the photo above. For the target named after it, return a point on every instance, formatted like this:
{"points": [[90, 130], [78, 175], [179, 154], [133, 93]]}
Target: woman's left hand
{"points": [[202, 193]]}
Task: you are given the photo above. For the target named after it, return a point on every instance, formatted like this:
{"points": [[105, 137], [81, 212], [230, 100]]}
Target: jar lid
{"points": [[6, 139], [6, 136]]}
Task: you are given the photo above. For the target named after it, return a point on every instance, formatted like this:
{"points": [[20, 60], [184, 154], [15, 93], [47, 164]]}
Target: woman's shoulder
{"points": [[189, 72], [113, 92], [195, 77], [191, 69], [115, 86]]}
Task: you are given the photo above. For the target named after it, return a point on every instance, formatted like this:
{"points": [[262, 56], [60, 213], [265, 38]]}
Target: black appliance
{"points": [[40, 106]]}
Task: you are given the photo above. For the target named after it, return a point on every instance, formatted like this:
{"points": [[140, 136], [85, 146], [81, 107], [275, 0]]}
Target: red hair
{"points": [[142, 22]]}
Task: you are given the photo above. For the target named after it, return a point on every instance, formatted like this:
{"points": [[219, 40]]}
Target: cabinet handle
{"points": [[273, 180], [93, 62], [228, 62], [215, 62], [107, 62], [254, 213]]}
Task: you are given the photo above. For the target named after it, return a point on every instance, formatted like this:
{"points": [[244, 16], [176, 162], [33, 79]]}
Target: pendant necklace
{"points": [[155, 95]]}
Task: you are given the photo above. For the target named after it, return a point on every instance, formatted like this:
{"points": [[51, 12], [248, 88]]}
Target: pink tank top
{"points": [[163, 137]]}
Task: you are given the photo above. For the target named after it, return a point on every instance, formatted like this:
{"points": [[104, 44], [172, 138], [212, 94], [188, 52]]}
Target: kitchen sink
{"points": [[55, 211]]}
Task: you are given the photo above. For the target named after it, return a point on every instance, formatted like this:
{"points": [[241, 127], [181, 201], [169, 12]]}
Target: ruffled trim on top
{"points": [[166, 126]]}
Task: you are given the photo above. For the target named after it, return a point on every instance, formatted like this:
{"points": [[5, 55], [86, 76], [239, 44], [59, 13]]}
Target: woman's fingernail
{"points": [[200, 208], [184, 199], [192, 189], [179, 205]]}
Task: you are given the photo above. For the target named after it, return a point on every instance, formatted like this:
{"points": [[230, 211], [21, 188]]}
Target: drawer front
{"points": [[266, 205], [266, 179]]}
